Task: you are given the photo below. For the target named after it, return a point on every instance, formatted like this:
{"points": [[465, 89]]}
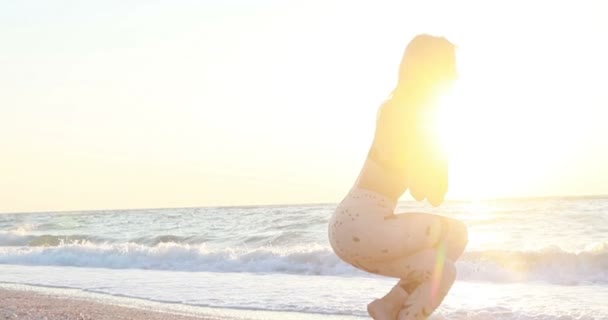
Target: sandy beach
{"points": [[28, 305]]}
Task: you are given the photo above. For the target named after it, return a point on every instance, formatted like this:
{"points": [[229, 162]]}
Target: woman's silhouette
{"points": [[418, 248]]}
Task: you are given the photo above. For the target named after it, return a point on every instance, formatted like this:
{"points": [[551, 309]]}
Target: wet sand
{"points": [[29, 305]]}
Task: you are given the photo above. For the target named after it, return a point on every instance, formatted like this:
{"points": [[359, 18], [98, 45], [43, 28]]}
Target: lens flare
{"points": [[437, 274]]}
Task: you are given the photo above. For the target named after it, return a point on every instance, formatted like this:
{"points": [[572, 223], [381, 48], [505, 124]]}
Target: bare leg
{"points": [[415, 247], [426, 275], [365, 240], [438, 275], [454, 235]]}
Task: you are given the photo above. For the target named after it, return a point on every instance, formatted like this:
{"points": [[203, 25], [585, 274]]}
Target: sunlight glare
{"points": [[501, 135]]}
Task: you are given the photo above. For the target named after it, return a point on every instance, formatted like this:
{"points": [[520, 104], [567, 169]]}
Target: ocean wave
{"points": [[11, 239], [179, 257], [45, 240], [551, 265]]}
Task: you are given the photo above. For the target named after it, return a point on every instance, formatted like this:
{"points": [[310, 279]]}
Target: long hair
{"points": [[428, 61]]}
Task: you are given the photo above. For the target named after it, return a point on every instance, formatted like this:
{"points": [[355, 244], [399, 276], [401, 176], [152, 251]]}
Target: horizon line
{"points": [[508, 198]]}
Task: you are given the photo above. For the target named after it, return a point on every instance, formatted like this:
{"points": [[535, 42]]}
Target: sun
{"points": [[470, 135], [499, 142]]}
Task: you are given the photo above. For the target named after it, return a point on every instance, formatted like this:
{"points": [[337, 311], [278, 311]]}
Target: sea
{"points": [[536, 258]]}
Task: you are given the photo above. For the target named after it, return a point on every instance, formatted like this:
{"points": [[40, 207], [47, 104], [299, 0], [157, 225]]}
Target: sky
{"points": [[145, 104]]}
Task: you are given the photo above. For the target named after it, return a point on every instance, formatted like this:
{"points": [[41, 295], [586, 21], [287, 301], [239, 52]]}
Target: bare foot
{"points": [[388, 307], [382, 310]]}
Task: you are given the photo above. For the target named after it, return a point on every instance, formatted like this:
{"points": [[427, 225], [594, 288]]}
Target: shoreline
{"points": [[37, 303], [32, 302]]}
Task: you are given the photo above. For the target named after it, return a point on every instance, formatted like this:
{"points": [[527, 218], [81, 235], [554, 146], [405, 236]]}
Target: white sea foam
{"points": [[552, 266]]}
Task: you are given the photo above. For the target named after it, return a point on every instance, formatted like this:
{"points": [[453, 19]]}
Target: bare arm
{"points": [[404, 156]]}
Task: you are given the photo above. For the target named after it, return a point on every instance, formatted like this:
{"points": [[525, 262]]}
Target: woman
{"points": [[418, 248]]}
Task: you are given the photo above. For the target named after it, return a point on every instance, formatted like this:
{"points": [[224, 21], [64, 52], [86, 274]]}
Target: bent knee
{"points": [[449, 272], [448, 278], [456, 239]]}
